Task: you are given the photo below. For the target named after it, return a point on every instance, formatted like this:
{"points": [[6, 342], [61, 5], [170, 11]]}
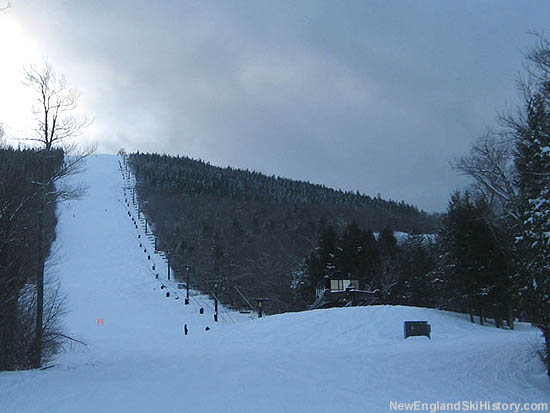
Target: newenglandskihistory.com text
{"points": [[467, 406]]}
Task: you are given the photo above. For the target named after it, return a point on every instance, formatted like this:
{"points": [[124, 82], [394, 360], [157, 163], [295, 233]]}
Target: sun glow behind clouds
{"points": [[17, 51]]}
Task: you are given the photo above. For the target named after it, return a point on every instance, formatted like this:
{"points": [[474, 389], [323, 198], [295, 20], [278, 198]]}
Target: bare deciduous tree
{"points": [[55, 103], [56, 127], [491, 165]]}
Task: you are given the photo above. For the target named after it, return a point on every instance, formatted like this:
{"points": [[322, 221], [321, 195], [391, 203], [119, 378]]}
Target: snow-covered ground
{"points": [[352, 359]]}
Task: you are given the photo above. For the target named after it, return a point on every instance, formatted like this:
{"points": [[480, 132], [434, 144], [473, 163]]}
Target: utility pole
{"points": [[168, 257], [216, 302], [39, 316], [145, 226], [187, 268]]}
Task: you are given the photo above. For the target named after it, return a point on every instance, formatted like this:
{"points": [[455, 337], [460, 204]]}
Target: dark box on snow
{"points": [[417, 328]]}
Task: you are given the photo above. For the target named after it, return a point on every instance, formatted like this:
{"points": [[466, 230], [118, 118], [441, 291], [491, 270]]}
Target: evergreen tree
{"points": [[302, 286], [417, 264], [327, 252], [372, 260], [532, 132], [473, 263], [351, 256], [388, 243]]}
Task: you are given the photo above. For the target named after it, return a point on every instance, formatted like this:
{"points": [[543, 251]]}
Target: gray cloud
{"points": [[376, 96]]}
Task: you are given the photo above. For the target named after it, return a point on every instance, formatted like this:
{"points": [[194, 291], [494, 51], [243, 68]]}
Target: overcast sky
{"points": [[377, 96]]}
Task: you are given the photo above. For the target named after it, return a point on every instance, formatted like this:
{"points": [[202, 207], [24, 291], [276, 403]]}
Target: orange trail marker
{"points": [[99, 321]]}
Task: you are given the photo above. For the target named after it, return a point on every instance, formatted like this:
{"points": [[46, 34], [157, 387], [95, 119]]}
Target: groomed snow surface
{"points": [[337, 360]]}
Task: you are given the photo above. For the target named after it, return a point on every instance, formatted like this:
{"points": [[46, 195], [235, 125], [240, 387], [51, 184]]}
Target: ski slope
{"points": [[139, 360]]}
